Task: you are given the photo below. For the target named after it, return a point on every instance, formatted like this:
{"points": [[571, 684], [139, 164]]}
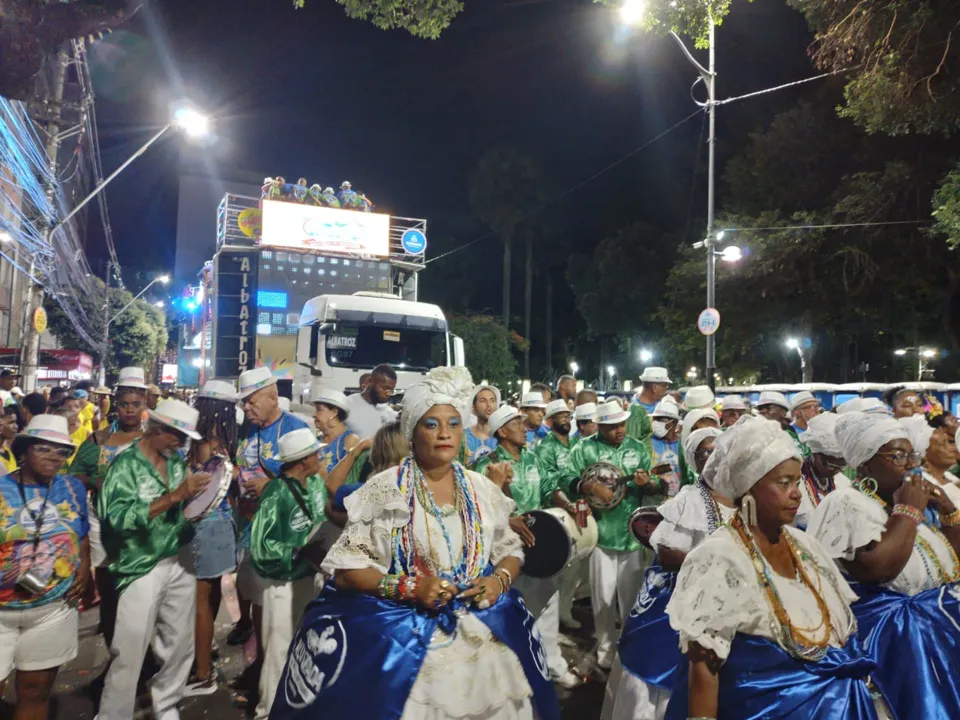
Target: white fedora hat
{"points": [[802, 398], [699, 396], [177, 415], [132, 377], [771, 397], [533, 400], [297, 444], [586, 412], [666, 408], [218, 390], [49, 428], [611, 413], [655, 375], [331, 397], [556, 407], [733, 402], [480, 388], [501, 416], [253, 380]]}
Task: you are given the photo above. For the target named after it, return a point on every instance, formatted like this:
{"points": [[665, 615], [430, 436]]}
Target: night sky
{"points": [[312, 93]]}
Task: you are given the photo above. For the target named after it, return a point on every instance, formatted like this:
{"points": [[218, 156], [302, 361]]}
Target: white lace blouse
{"points": [[808, 503], [848, 520], [469, 675], [685, 524], [719, 595]]}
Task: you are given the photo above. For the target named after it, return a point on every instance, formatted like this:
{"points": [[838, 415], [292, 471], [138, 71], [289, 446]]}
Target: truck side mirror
{"points": [[459, 356]]}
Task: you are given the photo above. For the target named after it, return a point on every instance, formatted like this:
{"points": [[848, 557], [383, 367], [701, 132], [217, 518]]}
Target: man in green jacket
{"points": [[618, 563], [531, 488], [291, 507], [141, 513]]}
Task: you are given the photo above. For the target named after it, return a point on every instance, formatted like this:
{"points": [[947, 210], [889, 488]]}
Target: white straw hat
{"points": [[802, 398], [297, 444], [556, 407], [666, 408], [500, 417], [770, 397], [586, 412], [49, 428], [218, 390], [733, 402], [655, 375], [253, 380], [698, 397], [533, 400], [612, 413], [132, 377], [331, 397], [177, 415]]}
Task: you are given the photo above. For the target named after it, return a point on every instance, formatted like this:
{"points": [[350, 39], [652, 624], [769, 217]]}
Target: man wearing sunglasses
{"points": [[141, 510], [45, 563]]}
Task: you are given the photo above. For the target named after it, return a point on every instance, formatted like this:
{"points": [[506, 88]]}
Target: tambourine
{"points": [[609, 476], [221, 475]]}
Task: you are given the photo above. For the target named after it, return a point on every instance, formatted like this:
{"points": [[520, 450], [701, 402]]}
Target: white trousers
{"points": [[283, 606], [568, 582], [615, 580], [542, 599], [158, 609], [627, 697]]}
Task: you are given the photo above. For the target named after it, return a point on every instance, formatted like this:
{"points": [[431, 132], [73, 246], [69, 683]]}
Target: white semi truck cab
{"points": [[341, 337]]}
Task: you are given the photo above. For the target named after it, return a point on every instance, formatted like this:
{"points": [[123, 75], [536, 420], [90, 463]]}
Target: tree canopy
{"points": [[488, 347], [137, 337]]}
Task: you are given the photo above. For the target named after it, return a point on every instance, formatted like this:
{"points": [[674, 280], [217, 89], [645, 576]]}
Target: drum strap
{"points": [[298, 496]]}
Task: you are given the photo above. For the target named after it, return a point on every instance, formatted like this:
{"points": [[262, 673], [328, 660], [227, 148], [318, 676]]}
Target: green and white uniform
{"points": [[287, 515], [157, 594], [618, 563], [531, 488]]}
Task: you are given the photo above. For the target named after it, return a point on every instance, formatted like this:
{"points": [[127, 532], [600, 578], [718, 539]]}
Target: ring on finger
{"points": [[482, 604]]}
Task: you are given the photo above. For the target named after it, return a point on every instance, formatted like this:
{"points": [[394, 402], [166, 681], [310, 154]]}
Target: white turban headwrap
{"points": [[745, 453], [692, 418], [918, 431], [441, 386], [693, 441], [861, 435], [865, 405], [820, 435]]}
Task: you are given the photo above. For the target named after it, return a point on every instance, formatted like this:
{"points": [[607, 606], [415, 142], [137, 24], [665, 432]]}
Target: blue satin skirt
{"points": [[649, 647], [357, 656], [915, 640], [761, 681]]}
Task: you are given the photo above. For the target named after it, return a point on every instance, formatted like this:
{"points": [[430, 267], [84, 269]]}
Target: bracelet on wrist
{"points": [[503, 586], [507, 573], [908, 511], [950, 519]]}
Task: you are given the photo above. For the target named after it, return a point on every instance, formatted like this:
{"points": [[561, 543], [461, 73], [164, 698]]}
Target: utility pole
{"points": [[30, 349], [102, 375]]}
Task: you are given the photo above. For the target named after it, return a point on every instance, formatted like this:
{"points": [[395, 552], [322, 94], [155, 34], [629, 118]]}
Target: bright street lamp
{"points": [[645, 356], [574, 367], [731, 254], [923, 353], [158, 303], [928, 353], [900, 352], [190, 121], [611, 370], [631, 12], [793, 343]]}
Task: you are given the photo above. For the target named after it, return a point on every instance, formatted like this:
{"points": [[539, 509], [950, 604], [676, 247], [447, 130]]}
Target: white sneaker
{"points": [[569, 622], [568, 680]]}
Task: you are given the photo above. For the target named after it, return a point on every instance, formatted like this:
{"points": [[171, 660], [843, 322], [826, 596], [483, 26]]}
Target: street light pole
{"points": [[102, 380]]}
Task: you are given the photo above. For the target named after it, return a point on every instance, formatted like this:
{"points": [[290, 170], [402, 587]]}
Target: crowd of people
{"points": [[774, 561]]}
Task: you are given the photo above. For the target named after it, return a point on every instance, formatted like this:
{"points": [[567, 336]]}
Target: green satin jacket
{"points": [[135, 543], [632, 455], [553, 456], [280, 527], [531, 488]]}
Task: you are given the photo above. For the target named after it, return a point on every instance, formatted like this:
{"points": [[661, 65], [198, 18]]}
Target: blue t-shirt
{"points": [[534, 435], [258, 455], [477, 448], [335, 452], [64, 524], [646, 406]]}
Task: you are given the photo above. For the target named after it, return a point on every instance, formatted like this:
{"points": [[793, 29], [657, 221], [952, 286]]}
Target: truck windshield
{"points": [[365, 346]]}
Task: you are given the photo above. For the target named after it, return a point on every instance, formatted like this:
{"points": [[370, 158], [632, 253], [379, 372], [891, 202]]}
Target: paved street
{"points": [[74, 698]]}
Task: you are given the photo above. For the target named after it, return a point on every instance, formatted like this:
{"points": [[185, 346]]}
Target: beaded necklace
{"points": [[931, 562], [714, 516], [790, 637], [467, 564], [818, 488]]}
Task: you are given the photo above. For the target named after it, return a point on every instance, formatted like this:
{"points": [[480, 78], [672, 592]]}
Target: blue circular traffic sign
{"points": [[414, 242]]}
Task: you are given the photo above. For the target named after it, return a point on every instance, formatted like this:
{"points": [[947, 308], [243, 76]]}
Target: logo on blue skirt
{"points": [[536, 646], [315, 662], [648, 594]]}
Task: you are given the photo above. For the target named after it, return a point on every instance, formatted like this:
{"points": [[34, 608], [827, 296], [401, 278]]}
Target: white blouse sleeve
{"points": [[684, 522], [373, 512], [716, 595], [845, 521], [499, 508]]}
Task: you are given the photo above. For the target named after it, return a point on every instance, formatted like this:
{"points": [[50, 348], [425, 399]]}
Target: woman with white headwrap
{"points": [[884, 533], [420, 621], [762, 611], [640, 681], [823, 469]]}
